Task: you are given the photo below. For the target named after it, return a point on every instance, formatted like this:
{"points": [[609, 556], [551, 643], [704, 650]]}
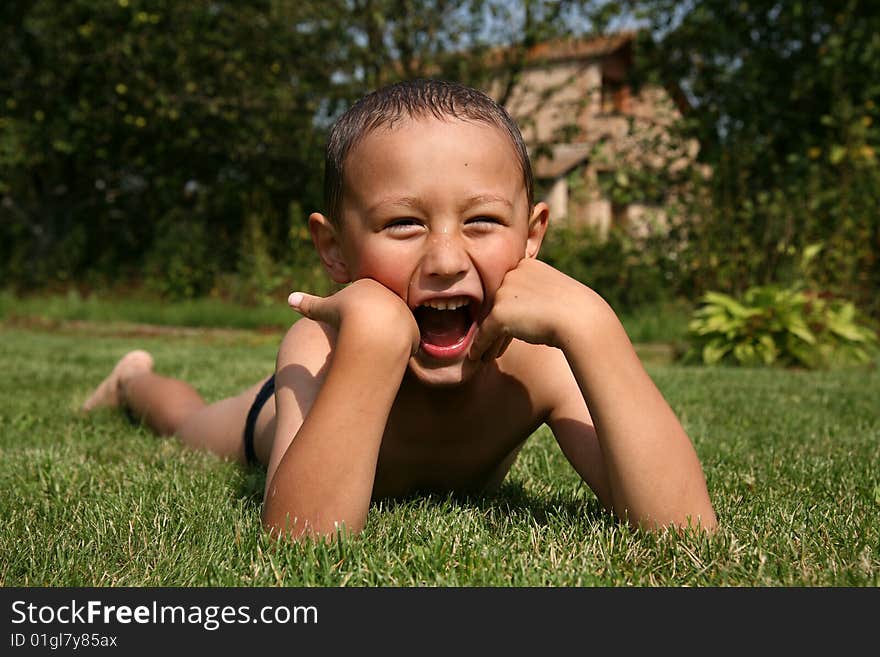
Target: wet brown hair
{"points": [[413, 99]]}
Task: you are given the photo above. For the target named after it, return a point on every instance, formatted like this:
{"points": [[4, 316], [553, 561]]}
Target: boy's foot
{"points": [[107, 393]]}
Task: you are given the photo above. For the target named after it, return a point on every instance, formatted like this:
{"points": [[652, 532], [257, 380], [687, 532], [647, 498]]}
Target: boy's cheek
{"points": [[496, 271], [387, 276]]}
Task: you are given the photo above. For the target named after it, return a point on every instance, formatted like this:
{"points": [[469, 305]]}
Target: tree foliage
{"points": [[125, 122], [785, 102], [181, 140]]}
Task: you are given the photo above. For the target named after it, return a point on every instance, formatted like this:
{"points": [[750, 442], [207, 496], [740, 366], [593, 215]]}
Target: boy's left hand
{"points": [[531, 304]]}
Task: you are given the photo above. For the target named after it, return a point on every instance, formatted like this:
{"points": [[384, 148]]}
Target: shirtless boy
{"points": [[451, 344]]}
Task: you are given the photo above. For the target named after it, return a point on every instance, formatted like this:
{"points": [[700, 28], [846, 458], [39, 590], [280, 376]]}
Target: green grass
{"points": [[202, 312], [665, 323], [790, 457]]}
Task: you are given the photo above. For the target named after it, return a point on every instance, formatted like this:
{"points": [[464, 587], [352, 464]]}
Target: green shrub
{"points": [[629, 274], [772, 325], [183, 260]]}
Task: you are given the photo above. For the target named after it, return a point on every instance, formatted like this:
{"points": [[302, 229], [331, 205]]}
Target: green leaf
{"points": [[796, 326], [847, 331], [745, 353], [846, 313], [767, 349], [837, 154], [721, 324], [714, 351], [729, 303], [810, 252]]}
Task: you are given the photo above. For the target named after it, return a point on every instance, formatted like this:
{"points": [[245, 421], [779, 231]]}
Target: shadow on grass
{"points": [[512, 499], [251, 485]]}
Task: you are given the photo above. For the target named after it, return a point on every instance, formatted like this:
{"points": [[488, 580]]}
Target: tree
{"points": [[181, 140], [124, 122], [784, 101]]}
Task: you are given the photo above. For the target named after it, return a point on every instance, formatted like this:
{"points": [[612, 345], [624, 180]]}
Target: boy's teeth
{"points": [[446, 304]]}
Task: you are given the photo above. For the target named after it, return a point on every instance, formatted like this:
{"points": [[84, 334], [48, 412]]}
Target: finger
{"points": [[307, 304], [295, 300], [487, 334]]}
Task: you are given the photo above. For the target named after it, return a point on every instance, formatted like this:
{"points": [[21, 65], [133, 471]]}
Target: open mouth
{"points": [[446, 326]]}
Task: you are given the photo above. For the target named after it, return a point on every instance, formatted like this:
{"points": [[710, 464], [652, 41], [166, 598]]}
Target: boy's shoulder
{"points": [[307, 343]]}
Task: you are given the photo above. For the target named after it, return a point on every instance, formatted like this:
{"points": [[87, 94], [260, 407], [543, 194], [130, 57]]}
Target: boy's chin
{"points": [[439, 374]]}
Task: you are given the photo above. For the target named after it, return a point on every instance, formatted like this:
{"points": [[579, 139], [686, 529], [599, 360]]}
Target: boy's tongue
{"points": [[443, 328]]}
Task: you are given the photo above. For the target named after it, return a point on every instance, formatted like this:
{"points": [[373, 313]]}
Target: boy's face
{"points": [[437, 212]]}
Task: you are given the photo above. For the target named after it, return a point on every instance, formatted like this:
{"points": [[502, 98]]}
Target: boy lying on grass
{"points": [[450, 346]]}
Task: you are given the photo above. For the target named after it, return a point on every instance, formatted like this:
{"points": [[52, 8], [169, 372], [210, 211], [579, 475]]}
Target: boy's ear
{"points": [[537, 229], [326, 241]]}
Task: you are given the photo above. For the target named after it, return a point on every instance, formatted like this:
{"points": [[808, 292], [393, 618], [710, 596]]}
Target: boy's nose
{"points": [[446, 256]]}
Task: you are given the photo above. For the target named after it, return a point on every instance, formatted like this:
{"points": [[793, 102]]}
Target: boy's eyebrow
{"points": [[483, 199], [416, 204], [404, 201]]}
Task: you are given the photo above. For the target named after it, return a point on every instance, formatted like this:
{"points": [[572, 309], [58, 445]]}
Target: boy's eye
{"points": [[483, 222], [402, 227]]}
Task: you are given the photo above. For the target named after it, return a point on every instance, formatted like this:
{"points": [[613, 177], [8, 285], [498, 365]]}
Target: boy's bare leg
{"points": [[107, 392], [162, 403], [173, 407]]}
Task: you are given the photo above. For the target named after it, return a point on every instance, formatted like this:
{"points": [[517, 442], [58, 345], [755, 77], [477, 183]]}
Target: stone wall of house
{"points": [[581, 121]]}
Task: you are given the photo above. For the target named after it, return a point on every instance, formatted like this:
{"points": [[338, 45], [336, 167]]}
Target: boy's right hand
{"points": [[380, 314]]}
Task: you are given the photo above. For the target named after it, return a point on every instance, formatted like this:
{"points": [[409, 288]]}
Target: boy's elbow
{"points": [[295, 529], [705, 521]]}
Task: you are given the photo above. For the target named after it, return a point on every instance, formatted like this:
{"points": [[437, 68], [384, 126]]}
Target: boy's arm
{"points": [[324, 479], [652, 475]]}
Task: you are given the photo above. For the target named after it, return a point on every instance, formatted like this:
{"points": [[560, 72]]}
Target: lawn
{"points": [[791, 459], [664, 323]]}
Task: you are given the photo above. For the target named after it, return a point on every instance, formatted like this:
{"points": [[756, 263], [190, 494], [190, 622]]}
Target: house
{"points": [[587, 131]]}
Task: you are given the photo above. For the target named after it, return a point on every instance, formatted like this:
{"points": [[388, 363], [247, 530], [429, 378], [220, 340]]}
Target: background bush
{"points": [[771, 325], [629, 273]]}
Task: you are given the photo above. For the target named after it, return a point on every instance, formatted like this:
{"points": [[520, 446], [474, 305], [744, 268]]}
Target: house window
{"points": [[615, 97], [620, 215]]}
